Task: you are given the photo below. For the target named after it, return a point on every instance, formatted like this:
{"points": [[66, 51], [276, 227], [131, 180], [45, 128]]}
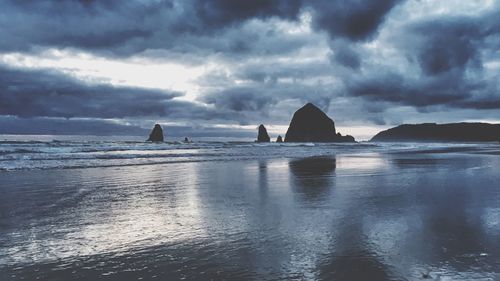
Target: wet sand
{"points": [[363, 216]]}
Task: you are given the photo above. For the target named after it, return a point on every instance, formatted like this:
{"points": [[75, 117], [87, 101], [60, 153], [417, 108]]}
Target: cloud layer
{"points": [[134, 26], [365, 62]]}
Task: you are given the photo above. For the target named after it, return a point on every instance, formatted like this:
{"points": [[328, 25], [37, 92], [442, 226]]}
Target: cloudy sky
{"points": [[222, 67]]}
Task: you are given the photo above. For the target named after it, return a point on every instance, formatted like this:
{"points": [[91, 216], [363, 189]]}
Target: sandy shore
{"points": [[368, 216]]}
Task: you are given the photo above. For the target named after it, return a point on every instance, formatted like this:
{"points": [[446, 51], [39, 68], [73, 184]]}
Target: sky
{"points": [[222, 67]]}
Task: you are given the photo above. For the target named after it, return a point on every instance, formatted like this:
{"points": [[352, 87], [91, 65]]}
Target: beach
{"points": [[245, 211]]}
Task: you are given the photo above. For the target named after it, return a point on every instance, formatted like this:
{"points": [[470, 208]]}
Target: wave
{"points": [[15, 155], [20, 142], [18, 151], [105, 164]]}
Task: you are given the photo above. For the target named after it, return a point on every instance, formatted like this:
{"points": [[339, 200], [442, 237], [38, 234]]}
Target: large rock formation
{"points": [[310, 124], [279, 139], [263, 136], [156, 134], [452, 132]]}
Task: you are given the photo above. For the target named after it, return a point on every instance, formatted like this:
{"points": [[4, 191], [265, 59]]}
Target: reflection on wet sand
{"points": [[313, 177]]}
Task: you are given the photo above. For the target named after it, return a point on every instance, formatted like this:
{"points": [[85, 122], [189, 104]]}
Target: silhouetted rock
{"points": [[346, 138], [156, 134], [279, 139], [310, 124], [453, 132], [263, 136]]}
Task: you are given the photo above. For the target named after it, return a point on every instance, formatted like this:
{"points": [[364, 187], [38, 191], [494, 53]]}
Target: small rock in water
{"points": [[279, 139], [156, 134]]}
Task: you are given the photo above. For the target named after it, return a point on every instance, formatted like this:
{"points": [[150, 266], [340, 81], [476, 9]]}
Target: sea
{"points": [[120, 208]]}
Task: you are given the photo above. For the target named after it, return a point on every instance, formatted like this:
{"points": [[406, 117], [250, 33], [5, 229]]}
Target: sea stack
{"points": [[279, 139], [263, 136], [156, 134], [310, 124]]}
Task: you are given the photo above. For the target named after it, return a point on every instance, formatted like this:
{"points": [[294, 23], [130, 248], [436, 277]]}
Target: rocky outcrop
{"points": [[310, 124], [156, 134], [452, 132], [346, 138], [263, 136], [279, 139]]}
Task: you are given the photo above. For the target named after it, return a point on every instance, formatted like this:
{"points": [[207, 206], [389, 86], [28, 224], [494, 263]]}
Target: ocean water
{"points": [[123, 209]]}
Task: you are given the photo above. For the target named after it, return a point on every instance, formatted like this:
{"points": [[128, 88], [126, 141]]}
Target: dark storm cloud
{"points": [[345, 55], [271, 72], [81, 24], [444, 91], [221, 13], [51, 94], [392, 87], [240, 99], [264, 84], [128, 27], [448, 53], [448, 44], [355, 20]]}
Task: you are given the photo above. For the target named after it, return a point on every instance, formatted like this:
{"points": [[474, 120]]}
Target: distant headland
{"points": [[452, 132]]}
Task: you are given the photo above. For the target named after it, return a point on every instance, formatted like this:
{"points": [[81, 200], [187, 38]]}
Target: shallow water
{"points": [[243, 211]]}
